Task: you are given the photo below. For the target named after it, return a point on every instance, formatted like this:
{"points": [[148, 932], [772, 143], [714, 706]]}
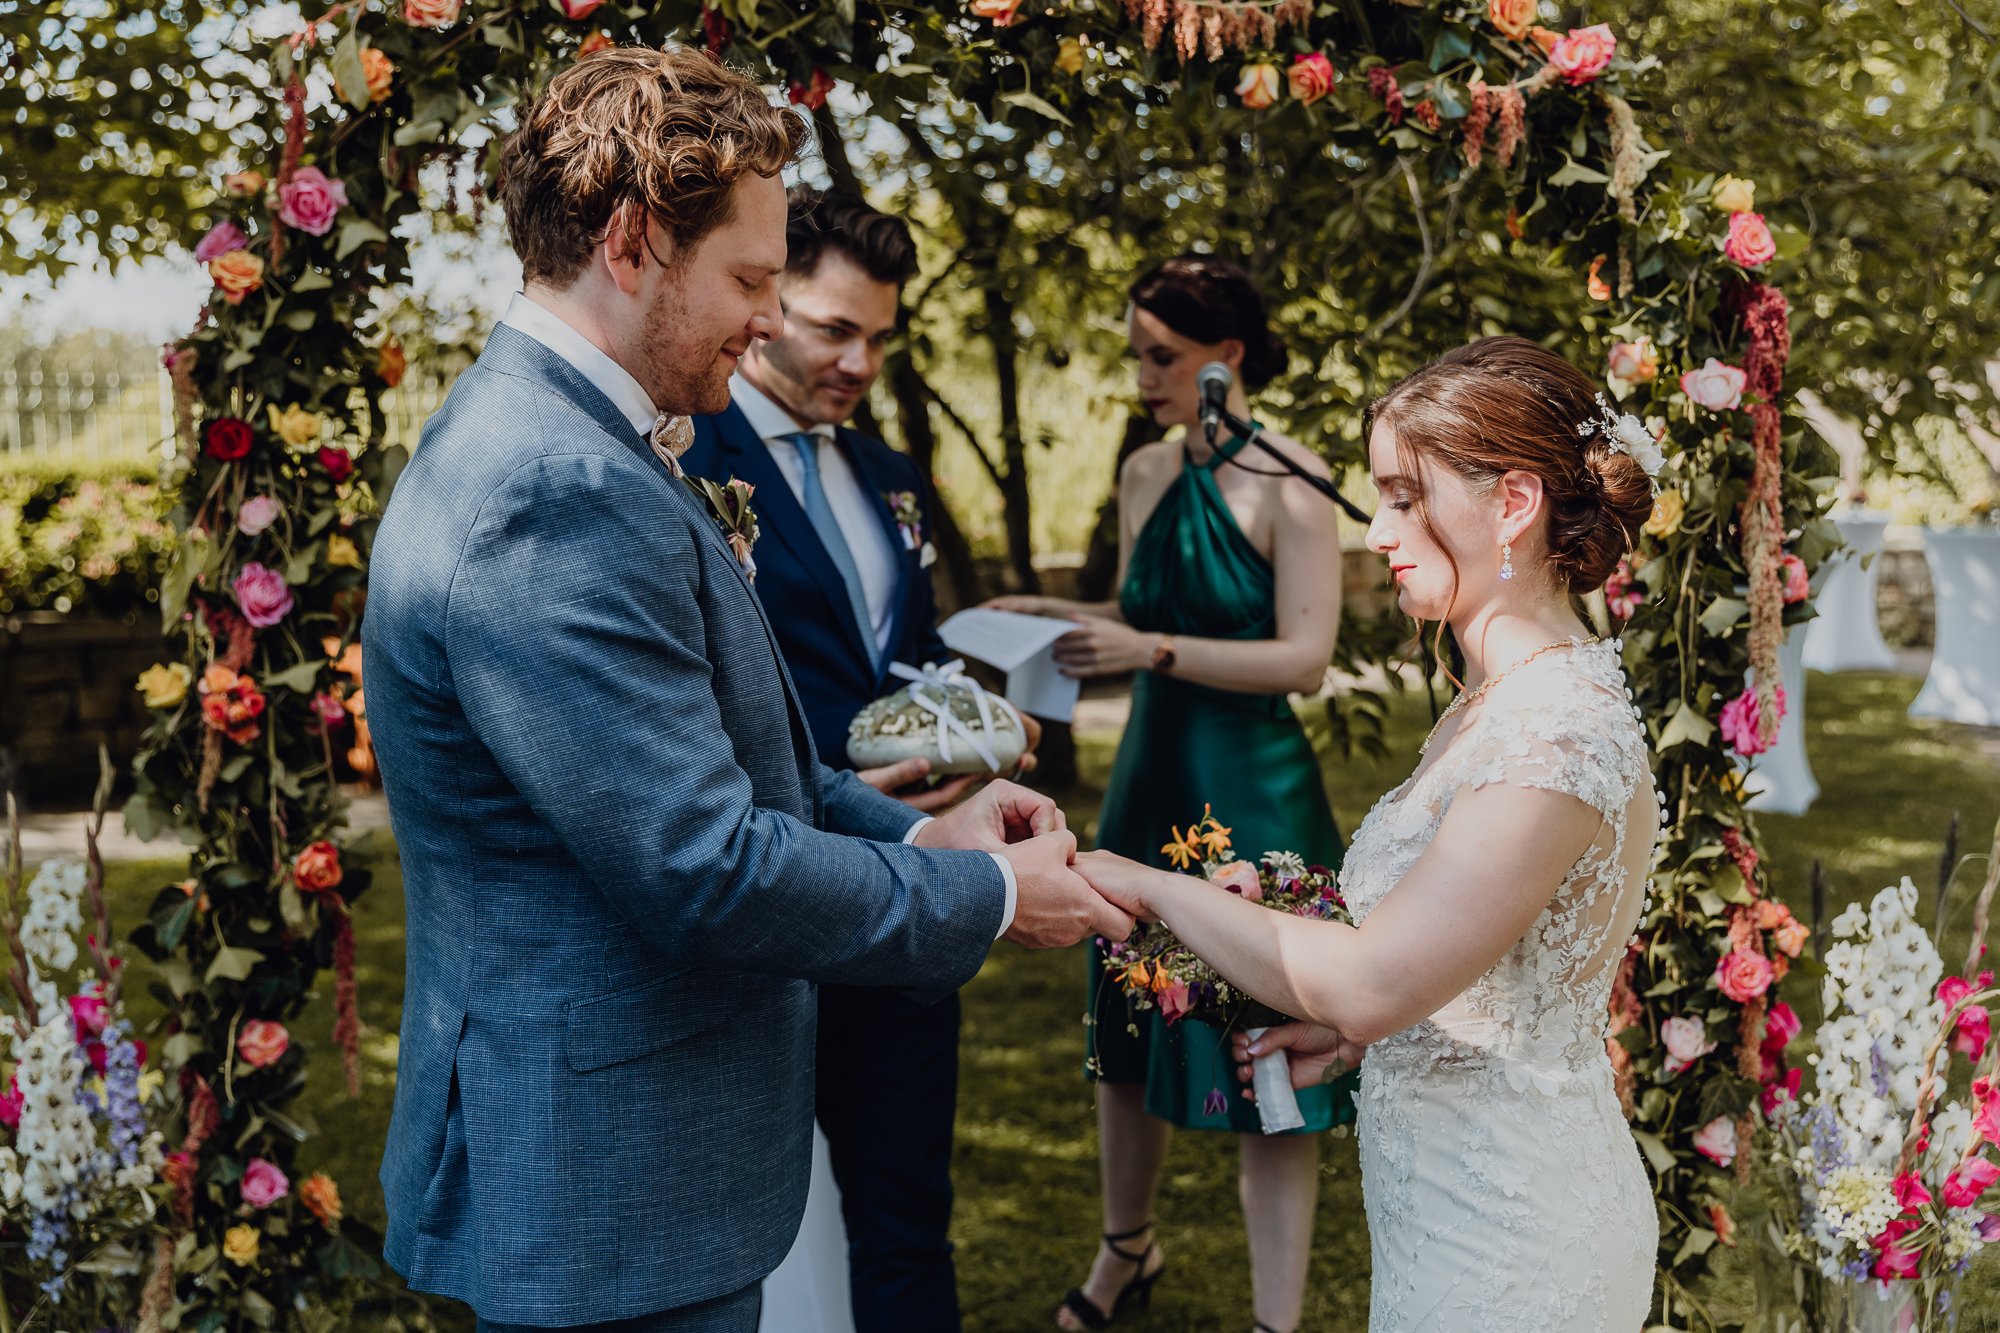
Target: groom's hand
{"points": [[1053, 905], [999, 814]]}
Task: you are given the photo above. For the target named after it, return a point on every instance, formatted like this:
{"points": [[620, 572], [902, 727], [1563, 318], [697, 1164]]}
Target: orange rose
{"points": [[262, 1042], [379, 71], [243, 184], [322, 1198], [317, 868], [1512, 17], [1545, 38], [597, 41], [431, 13], [1791, 937], [236, 274], [390, 363]]}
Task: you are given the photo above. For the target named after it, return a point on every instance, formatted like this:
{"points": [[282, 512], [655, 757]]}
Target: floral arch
{"points": [[282, 467]]}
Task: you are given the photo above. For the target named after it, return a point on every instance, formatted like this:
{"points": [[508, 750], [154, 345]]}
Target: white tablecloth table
{"points": [[1781, 780], [1846, 635], [1964, 682]]}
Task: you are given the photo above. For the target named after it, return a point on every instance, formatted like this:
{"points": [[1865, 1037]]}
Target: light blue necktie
{"points": [[821, 515]]}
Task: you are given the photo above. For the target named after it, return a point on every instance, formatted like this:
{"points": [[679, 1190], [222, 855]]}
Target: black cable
{"points": [[1254, 434]]}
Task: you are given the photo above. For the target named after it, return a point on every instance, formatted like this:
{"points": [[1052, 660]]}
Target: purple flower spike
{"points": [[1216, 1103]]}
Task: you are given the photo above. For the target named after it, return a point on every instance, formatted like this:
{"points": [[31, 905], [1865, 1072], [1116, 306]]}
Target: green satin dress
{"points": [[1193, 573]]}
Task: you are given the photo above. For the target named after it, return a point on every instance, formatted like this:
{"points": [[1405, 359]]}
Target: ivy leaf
{"points": [[359, 232], [236, 767], [182, 1047], [1033, 103], [191, 559], [232, 964], [177, 974], [312, 280], [1575, 173], [1699, 1241], [300, 678], [348, 75], [170, 921], [1656, 1152], [1686, 726], [1453, 44], [1722, 616]]}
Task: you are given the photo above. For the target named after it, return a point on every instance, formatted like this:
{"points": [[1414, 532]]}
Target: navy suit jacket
{"points": [[620, 884], [800, 586]]}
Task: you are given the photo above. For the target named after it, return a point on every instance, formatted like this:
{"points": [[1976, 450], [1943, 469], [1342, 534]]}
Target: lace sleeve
{"points": [[1587, 746]]}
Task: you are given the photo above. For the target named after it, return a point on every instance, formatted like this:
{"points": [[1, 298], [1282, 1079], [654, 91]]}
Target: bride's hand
{"points": [[1312, 1051], [1122, 883]]}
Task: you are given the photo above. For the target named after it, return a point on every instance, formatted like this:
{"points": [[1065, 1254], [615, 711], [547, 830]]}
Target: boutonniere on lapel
{"points": [[730, 504], [910, 522]]}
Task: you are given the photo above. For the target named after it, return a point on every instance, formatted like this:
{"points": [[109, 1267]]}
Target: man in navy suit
{"points": [[843, 571]]}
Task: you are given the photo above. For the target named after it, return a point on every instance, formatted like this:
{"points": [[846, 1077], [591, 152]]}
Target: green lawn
{"points": [[1026, 1164]]}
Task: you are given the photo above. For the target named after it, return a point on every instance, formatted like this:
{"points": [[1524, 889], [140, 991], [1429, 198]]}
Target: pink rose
{"points": [[89, 1014], [1258, 88], [1716, 1140], [1973, 1178], [575, 10], [1716, 386], [1797, 586], [1174, 1002], [1910, 1192], [1743, 975], [222, 238], [264, 1184], [1892, 1260], [1635, 363], [262, 1043], [309, 200], [256, 514], [1311, 77], [1749, 241], [1686, 1040], [1740, 718], [329, 709], [261, 595], [1239, 877], [1584, 54], [430, 13]]}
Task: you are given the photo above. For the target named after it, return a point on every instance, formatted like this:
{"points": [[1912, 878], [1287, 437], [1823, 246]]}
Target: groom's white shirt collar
{"points": [[605, 375]]}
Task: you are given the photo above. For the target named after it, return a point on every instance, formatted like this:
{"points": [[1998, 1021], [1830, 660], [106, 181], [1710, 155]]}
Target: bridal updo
{"points": [[1507, 404]]}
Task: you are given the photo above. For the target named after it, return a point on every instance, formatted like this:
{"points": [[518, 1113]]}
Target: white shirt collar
{"points": [[770, 421], [607, 376]]}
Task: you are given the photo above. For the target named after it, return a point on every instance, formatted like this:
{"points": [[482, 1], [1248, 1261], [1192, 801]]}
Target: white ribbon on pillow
{"points": [[942, 679]]}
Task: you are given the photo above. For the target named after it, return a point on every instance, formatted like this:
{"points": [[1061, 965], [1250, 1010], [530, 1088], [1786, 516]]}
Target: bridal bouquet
{"points": [[1156, 970], [1885, 1177]]}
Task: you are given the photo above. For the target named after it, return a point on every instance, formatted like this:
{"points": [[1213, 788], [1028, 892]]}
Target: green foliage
{"points": [[72, 539]]}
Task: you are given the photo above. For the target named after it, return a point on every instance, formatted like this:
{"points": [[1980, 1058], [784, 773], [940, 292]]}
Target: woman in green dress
{"points": [[1229, 600]]}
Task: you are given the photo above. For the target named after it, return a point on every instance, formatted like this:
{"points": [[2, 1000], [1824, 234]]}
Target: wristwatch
{"points": [[1163, 654]]}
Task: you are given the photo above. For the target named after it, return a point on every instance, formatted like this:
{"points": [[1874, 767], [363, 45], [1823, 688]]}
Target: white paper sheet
{"points": [[1024, 648]]}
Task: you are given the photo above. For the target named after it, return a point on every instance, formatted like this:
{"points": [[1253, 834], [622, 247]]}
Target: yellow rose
{"points": [[165, 685], [1665, 520], [1258, 88], [379, 71], [1069, 58], [297, 427], [239, 1245], [342, 551], [1734, 195]]}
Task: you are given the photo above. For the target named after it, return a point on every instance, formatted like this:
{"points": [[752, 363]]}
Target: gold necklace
{"points": [[1473, 696]]}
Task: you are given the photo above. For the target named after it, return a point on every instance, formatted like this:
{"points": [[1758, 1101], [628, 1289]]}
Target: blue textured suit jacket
{"points": [[800, 586], [610, 817]]}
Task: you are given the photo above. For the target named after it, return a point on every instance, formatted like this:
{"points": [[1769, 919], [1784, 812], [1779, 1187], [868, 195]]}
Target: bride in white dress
{"points": [[1494, 891]]}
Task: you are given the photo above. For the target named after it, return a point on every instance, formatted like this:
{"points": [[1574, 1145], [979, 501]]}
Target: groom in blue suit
{"points": [[626, 869], [843, 572]]}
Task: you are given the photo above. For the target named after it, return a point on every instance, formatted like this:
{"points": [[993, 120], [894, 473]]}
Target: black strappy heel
{"points": [[1138, 1293]]}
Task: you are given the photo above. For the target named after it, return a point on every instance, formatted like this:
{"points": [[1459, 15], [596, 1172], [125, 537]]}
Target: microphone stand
{"points": [[1254, 434]]}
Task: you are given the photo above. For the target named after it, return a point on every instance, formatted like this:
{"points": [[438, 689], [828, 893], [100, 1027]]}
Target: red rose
{"points": [[317, 868], [339, 464], [228, 439]]}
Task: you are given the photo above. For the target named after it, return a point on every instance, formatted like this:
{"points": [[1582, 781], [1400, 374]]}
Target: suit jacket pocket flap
{"points": [[627, 1024]]}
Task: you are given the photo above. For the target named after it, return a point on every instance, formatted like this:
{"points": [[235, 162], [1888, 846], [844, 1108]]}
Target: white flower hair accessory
{"points": [[1627, 434]]}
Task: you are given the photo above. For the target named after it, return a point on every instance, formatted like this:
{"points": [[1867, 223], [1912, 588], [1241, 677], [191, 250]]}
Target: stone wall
{"points": [[66, 686]]}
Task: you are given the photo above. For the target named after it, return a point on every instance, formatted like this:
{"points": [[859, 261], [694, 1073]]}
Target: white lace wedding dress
{"points": [[1504, 1191]]}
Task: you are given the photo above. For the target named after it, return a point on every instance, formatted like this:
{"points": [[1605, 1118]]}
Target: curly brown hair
{"points": [[671, 131]]}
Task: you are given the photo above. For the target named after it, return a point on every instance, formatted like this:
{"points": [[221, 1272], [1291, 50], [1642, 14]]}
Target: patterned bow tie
{"points": [[670, 438]]}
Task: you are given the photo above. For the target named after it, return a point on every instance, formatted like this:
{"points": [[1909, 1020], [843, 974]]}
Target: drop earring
{"points": [[1506, 560]]}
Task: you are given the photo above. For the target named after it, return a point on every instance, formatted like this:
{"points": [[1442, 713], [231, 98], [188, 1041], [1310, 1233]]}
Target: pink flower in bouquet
{"points": [[1716, 1140], [1258, 88], [1891, 1259], [1975, 1025], [1584, 54], [1311, 77], [1973, 1178], [1910, 1192], [264, 1184], [261, 595], [1780, 1091], [574, 10], [89, 1014], [431, 13], [1174, 1002], [262, 1042], [1740, 722], [1743, 975], [309, 200], [1715, 385], [339, 464], [1986, 1121], [1781, 1024], [222, 238], [1749, 241], [1622, 595], [1686, 1040], [329, 709], [11, 1105], [1240, 878], [1797, 585], [257, 513]]}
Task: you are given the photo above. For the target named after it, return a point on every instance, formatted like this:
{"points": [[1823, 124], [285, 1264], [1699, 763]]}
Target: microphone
{"points": [[1214, 381]]}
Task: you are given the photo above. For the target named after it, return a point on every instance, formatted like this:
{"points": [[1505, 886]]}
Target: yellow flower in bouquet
{"points": [[341, 550], [239, 1245], [1732, 194], [1665, 520], [298, 428], [164, 685]]}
